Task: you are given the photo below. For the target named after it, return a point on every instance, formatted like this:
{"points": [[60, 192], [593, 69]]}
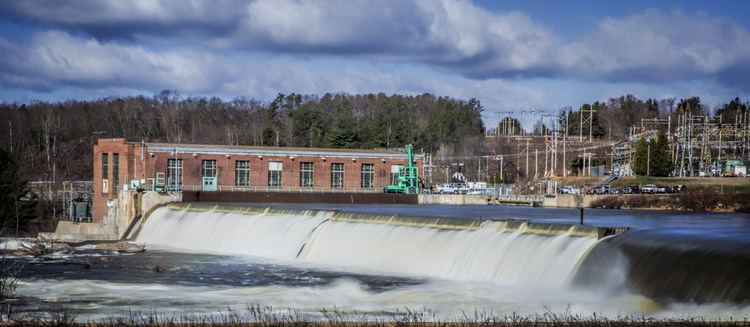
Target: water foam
{"points": [[483, 252]]}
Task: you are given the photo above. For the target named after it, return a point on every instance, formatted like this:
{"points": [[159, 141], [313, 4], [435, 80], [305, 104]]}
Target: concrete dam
{"points": [[503, 252]]}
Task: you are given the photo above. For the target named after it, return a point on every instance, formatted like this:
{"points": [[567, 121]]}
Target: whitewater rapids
{"points": [[487, 253]]}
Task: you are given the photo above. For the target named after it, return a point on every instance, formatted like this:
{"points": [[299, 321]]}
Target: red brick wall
{"points": [[131, 167], [191, 166]]}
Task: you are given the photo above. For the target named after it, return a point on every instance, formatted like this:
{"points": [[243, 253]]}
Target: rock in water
{"points": [[126, 247]]}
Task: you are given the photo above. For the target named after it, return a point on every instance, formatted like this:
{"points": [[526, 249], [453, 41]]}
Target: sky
{"points": [[511, 55]]}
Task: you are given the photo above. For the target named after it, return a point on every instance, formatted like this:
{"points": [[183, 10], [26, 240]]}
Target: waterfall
{"points": [[486, 251]]}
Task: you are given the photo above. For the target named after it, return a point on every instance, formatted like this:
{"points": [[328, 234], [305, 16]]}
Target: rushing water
{"points": [[670, 265]]}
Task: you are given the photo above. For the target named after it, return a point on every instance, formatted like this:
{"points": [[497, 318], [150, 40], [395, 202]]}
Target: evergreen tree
{"points": [[640, 162], [653, 157], [342, 133], [661, 158], [17, 203]]}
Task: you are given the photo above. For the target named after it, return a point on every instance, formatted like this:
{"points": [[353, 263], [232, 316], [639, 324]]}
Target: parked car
{"points": [[445, 189], [460, 188], [599, 190], [615, 190], [569, 190], [662, 189], [631, 189], [648, 189]]}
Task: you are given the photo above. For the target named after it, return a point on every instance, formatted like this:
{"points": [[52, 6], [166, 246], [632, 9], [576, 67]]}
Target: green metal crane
{"points": [[408, 177]]}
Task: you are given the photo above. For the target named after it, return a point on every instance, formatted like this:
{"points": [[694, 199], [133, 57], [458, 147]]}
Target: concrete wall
{"points": [[455, 199], [572, 200], [128, 206]]}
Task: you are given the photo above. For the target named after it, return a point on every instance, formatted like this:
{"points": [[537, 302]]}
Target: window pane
{"points": [[105, 172], [242, 173], [337, 175], [368, 172], [306, 174], [174, 173], [395, 171], [115, 172], [274, 173], [209, 168]]}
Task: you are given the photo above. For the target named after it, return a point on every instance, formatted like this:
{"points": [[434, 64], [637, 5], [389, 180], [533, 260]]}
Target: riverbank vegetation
{"points": [[694, 201], [18, 205], [267, 316]]}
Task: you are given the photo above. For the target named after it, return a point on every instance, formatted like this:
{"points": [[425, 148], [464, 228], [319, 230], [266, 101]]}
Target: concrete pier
{"points": [[122, 213]]}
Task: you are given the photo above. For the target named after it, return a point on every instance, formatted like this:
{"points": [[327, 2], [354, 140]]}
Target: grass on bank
{"points": [[268, 316]]}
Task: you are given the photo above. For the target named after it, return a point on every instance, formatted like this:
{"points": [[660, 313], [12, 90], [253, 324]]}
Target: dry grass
{"points": [[702, 199], [267, 316]]}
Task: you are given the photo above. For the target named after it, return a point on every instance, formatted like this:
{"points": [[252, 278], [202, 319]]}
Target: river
{"points": [[669, 265]]}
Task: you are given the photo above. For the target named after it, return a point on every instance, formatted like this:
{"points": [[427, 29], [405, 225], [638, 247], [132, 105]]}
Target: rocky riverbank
{"points": [[691, 201]]}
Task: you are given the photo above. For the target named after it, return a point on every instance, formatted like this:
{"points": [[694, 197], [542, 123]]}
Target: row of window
{"points": [[115, 172], [275, 168]]}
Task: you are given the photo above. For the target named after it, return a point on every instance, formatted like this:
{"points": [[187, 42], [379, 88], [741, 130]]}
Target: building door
{"points": [[208, 174]]}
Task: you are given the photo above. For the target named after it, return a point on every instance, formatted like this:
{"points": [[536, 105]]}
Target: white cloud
{"points": [[654, 46], [259, 48], [85, 12], [55, 59], [56, 56], [451, 35]]}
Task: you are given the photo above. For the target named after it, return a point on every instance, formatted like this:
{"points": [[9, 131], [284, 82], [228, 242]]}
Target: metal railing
{"points": [[521, 198], [289, 189]]}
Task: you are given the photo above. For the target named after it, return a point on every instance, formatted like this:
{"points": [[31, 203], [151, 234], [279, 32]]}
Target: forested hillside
{"points": [[49, 139]]}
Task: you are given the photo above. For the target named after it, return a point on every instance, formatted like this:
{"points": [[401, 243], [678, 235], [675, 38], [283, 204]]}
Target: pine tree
{"points": [[342, 133], [653, 157], [17, 203], [661, 158], [640, 162]]}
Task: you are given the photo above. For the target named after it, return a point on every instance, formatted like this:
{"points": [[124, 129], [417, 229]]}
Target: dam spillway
{"points": [[207, 258], [499, 251]]}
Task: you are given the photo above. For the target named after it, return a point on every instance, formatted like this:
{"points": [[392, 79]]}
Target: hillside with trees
{"points": [[53, 141]]}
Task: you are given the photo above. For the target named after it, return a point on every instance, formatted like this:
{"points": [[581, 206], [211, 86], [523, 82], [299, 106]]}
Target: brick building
{"points": [[119, 164]]}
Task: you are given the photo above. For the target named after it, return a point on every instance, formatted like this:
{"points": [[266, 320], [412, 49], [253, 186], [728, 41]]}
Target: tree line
{"points": [[53, 140], [612, 119]]}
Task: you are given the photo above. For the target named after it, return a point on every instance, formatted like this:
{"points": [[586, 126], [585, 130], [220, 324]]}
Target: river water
{"points": [[670, 265]]}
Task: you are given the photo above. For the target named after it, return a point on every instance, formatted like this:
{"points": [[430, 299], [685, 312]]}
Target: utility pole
{"points": [[565, 162], [591, 124], [565, 142], [546, 159], [501, 169], [527, 157], [580, 127]]}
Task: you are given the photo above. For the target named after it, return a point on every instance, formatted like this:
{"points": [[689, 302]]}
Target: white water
{"points": [[485, 254]]}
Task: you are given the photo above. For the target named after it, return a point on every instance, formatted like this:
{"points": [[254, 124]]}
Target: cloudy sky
{"points": [[511, 55]]}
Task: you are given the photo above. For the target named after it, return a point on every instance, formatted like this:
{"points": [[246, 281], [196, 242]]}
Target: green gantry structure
{"points": [[408, 177]]}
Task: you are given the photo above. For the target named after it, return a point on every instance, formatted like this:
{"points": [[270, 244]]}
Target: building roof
{"points": [[267, 150]]}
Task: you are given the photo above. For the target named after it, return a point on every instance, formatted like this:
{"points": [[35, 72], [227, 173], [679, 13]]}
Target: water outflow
{"points": [[499, 252], [673, 267]]}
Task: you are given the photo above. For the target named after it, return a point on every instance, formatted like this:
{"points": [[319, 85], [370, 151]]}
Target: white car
{"points": [[569, 190], [649, 188], [445, 189]]}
